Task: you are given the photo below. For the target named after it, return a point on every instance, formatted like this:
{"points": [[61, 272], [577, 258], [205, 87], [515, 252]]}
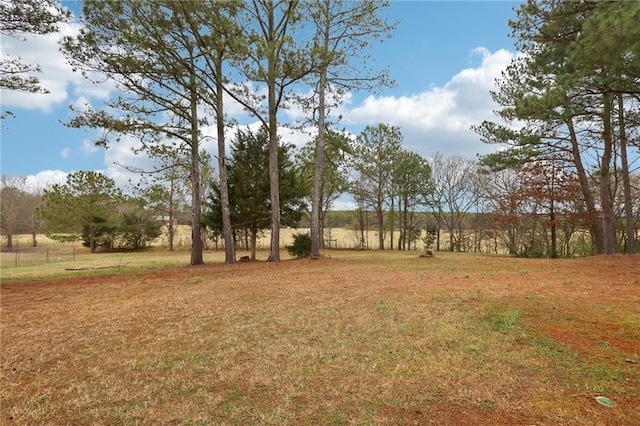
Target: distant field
{"points": [[340, 238], [52, 254], [357, 337]]}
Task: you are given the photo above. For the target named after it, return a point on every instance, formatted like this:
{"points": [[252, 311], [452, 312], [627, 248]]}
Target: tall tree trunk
{"points": [[9, 240], [171, 232], [92, 239], [274, 179], [323, 214], [513, 244], [316, 203], [402, 225], [254, 240], [406, 243], [196, 208], [229, 249], [172, 193], [438, 232], [451, 238], [626, 182], [554, 238], [593, 218], [605, 177], [380, 215], [552, 213], [362, 225], [392, 221], [400, 229], [274, 185]]}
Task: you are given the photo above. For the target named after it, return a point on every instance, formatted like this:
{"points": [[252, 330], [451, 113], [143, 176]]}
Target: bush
{"points": [[301, 246]]}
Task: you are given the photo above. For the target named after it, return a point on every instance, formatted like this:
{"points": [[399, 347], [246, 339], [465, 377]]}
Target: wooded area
{"points": [[563, 181]]}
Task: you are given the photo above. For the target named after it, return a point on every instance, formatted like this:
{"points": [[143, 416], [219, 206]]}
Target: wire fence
{"points": [[13, 257]]}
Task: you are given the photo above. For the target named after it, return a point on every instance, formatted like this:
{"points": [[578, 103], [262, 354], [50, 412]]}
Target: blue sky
{"points": [[444, 57]]}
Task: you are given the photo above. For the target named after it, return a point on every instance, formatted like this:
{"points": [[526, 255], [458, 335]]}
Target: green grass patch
{"points": [[503, 321]]}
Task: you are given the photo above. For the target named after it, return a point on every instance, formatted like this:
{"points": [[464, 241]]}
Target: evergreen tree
{"points": [[17, 19], [249, 187], [581, 57], [87, 204], [166, 59]]}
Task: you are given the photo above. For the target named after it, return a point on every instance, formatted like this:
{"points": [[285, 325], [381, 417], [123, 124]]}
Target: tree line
{"points": [[91, 207], [567, 124], [570, 102], [445, 203], [177, 63]]}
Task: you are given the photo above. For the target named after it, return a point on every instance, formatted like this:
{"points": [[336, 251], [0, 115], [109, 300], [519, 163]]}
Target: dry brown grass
{"points": [[357, 338]]}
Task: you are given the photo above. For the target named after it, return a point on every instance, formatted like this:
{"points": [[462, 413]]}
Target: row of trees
{"points": [[570, 102], [175, 63], [389, 178], [374, 168], [534, 210], [568, 109], [88, 206]]}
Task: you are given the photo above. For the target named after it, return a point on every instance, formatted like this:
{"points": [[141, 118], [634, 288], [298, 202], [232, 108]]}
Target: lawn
{"points": [[352, 338]]}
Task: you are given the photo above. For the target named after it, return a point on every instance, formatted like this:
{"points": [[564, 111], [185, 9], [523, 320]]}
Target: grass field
{"points": [[353, 338]]}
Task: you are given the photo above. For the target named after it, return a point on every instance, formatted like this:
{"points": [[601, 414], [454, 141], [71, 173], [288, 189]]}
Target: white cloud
{"points": [[426, 109], [297, 137], [439, 118], [122, 150], [234, 108], [81, 104], [344, 203], [89, 146], [434, 120], [57, 75], [44, 179]]}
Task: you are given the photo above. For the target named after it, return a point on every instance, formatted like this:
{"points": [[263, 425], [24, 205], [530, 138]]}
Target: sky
{"points": [[444, 57]]}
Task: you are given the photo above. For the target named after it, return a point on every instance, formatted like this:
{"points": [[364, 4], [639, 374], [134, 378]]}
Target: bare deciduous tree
{"points": [[454, 195]]}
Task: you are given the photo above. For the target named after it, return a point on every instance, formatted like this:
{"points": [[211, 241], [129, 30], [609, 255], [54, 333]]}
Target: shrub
{"points": [[301, 246]]}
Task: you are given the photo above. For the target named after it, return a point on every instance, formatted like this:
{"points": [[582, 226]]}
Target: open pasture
{"points": [[353, 338]]}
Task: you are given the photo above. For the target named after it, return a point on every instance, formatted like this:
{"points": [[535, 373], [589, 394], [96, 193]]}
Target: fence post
{"points": [[74, 253], [47, 254], [16, 258]]}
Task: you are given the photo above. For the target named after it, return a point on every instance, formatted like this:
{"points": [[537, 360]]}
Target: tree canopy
{"points": [[167, 65], [249, 187], [86, 204], [343, 31], [17, 207], [19, 18], [572, 95]]}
